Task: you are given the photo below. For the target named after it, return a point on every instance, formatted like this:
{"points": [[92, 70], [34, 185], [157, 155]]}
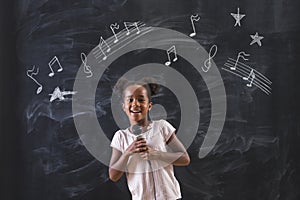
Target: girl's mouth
{"points": [[135, 111]]}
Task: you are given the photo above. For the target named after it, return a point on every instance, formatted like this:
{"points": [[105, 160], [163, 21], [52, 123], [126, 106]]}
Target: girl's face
{"points": [[136, 104]]}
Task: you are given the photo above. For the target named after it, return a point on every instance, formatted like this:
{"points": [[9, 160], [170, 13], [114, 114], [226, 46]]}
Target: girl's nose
{"points": [[135, 102]]}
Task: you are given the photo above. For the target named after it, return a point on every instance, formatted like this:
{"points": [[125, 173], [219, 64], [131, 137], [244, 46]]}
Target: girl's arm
{"points": [[117, 164], [178, 156], [119, 161]]}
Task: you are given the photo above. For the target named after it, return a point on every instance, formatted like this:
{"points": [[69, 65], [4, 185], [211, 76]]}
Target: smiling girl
{"points": [[148, 160]]}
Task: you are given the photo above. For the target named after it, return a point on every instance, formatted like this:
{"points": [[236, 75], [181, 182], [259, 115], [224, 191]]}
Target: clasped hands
{"points": [[145, 151]]}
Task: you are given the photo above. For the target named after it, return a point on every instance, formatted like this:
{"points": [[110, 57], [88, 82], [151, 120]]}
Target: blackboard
{"points": [[255, 157]]}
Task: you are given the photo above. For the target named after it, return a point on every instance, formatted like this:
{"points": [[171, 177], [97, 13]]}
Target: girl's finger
{"points": [[141, 145], [144, 156], [141, 141]]}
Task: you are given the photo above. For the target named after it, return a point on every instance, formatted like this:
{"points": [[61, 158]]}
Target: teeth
{"points": [[135, 111]]}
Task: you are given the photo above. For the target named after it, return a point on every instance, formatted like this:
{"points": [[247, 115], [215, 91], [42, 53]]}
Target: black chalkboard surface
{"points": [[252, 47]]}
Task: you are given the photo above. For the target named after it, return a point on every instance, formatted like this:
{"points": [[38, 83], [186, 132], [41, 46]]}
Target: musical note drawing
{"points": [[246, 72], [101, 42], [252, 75], [51, 63], [31, 71], [86, 68], [58, 94], [113, 27], [240, 55], [238, 17], [130, 24], [194, 18], [212, 53], [123, 40], [172, 49]]}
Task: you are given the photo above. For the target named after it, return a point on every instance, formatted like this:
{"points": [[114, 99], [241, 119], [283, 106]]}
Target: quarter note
{"points": [[131, 24], [240, 55], [51, 63], [30, 74], [212, 53], [171, 50], [194, 18], [86, 68], [101, 42], [113, 27], [252, 75]]}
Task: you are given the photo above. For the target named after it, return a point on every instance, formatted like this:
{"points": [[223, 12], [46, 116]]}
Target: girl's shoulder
{"points": [[160, 122], [123, 134]]}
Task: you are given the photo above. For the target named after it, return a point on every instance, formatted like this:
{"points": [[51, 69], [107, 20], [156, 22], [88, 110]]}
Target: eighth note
{"points": [[40, 88], [130, 24], [194, 18], [212, 53], [101, 42], [113, 27], [240, 55], [172, 49], [252, 75], [86, 68], [51, 63]]}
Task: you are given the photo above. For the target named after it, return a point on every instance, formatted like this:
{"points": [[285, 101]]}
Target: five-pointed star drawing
{"points": [[256, 39], [57, 94], [237, 16]]}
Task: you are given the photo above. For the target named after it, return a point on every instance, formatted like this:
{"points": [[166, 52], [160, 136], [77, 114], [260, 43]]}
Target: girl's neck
{"points": [[142, 123]]}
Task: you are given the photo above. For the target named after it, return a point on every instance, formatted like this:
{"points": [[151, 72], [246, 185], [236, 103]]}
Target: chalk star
{"points": [[57, 94], [256, 39], [237, 16]]}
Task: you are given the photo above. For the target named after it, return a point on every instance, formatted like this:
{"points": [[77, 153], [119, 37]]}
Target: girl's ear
{"points": [[150, 105], [123, 107]]}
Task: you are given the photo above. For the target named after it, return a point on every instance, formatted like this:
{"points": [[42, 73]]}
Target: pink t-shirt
{"points": [[141, 173]]}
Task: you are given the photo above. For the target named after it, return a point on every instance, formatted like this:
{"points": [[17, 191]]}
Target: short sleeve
{"points": [[167, 129], [116, 141]]}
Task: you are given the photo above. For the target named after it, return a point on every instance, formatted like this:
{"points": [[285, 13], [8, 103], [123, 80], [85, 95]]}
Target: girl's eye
{"points": [[130, 100]]}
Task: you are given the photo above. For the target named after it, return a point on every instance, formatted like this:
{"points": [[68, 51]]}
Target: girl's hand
{"points": [[138, 146], [150, 154]]}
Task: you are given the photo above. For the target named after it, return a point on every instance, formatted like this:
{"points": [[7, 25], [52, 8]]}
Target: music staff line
{"points": [[231, 60], [131, 30], [254, 82], [258, 81], [245, 74], [120, 35], [143, 32]]}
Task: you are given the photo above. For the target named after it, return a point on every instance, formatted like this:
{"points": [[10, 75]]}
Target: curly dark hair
{"points": [[147, 82]]}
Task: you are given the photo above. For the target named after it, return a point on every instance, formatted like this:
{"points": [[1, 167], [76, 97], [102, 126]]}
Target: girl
{"points": [[148, 161]]}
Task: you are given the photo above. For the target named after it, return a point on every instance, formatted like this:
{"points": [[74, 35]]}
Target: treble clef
{"points": [[212, 53], [86, 68]]}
